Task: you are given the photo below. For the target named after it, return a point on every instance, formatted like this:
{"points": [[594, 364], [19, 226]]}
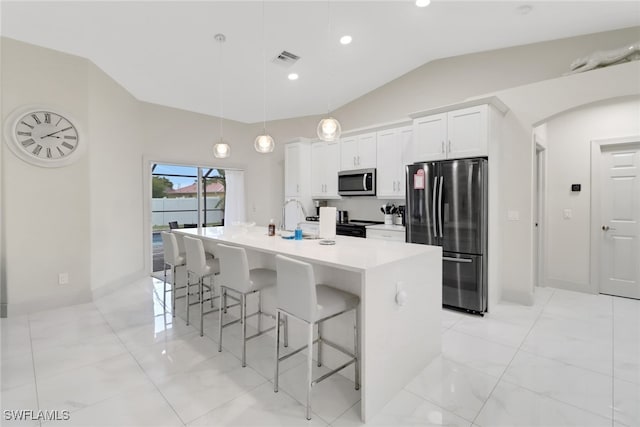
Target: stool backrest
{"points": [[234, 267], [170, 248], [296, 288], [196, 259]]}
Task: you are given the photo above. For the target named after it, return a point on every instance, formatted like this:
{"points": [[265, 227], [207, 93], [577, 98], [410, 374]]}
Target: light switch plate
{"points": [[567, 214], [513, 215]]}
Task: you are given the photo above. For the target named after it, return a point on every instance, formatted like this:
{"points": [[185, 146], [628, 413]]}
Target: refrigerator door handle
{"points": [[433, 207], [461, 260], [440, 206]]}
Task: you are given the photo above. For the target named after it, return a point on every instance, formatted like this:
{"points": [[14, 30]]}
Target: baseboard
{"points": [[49, 302], [118, 283], [517, 296], [568, 286]]}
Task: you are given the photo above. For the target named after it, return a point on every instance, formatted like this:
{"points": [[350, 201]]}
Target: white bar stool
{"points": [[200, 266], [301, 298], [235, 276], [174, 259]]}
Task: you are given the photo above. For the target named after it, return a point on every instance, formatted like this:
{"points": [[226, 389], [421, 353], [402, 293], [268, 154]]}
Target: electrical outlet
{"points": [[63, 279], [513, 215]]}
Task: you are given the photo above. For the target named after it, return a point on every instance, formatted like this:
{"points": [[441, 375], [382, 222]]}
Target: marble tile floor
{"points": [[571, 359]]}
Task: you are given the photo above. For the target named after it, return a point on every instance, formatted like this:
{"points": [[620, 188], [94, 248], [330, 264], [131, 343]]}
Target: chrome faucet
{"points": [[284, 206]]}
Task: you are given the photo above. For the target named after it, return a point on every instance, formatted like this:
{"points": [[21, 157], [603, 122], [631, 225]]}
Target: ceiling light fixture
{"points": [[221, 149], [524, 9], [293, 76], [423, 3], [264, 143], [346, 39], [329, 129]]}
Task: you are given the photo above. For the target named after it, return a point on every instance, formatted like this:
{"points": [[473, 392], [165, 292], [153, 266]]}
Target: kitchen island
{"points": [[400, 290]]}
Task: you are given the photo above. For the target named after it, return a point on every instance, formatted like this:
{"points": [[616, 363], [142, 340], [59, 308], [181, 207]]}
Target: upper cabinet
{"points": [[297, 180], [455, 134], [394, 153], [358, 151], [324, 170]]}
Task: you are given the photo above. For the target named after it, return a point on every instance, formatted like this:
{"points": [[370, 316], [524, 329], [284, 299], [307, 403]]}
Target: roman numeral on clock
{"points": [[24, 133], [70, 137], [37, 150], [47, 118], [48, 152], [60, 151], [67, 145], [36, 119], [28, 142], [26, 124]]}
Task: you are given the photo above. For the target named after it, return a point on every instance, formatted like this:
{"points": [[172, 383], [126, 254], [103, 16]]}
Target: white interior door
{"points": [[620, 213]]}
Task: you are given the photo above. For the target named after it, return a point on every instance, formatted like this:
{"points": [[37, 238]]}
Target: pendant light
{"points": [[264, 143], [221, 149], [329, 129]]}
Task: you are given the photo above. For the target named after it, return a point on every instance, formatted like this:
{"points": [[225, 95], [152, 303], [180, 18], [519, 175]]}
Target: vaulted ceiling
{"points": [[164, 52]]}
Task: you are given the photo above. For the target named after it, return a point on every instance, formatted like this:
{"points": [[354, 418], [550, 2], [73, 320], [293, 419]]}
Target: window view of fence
{"points": [[175, 200]]}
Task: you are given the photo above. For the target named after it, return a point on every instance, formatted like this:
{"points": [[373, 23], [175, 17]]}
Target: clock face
{"points": [[44, 136]]}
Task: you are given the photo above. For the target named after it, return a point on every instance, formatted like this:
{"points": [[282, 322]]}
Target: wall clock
{"points": [[44, 136]]}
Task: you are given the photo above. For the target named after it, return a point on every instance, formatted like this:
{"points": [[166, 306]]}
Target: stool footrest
{"points": [[328, 374], [337, 347], [294, 352]]}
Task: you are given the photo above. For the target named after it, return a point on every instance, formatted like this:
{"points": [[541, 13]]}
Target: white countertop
{"points": [[351, 253], [386, 227]]}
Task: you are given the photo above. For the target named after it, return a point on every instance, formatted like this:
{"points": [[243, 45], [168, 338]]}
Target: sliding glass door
{"points": [[184, 196]]}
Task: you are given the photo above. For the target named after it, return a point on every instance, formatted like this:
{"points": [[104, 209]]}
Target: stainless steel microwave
{"points": [[360, 182]]}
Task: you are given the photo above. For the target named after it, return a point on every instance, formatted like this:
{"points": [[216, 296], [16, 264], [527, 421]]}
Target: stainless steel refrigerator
{"points": [[447, 206]]}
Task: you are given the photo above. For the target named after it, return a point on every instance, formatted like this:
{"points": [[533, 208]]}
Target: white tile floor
{"points": [[570, 360]]}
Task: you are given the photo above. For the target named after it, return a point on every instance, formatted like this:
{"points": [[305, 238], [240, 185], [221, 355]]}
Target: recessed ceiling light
{"points": [[346, 39], [292, 76], [423, 3]]}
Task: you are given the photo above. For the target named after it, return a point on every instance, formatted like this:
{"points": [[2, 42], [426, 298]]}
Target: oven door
{"points": [[357, 183]]}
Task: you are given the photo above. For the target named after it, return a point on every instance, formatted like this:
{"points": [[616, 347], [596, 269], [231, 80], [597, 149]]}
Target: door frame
{"points": [[596, 168], [540, 211]]}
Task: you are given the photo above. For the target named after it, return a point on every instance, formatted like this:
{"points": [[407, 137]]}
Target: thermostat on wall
{"points": [[575, 187]]}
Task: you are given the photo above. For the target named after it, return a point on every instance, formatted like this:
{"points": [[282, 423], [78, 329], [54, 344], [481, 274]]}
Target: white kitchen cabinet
{"points": [[325, 157], [297, 201], [297, 180], [452, 135], [395, 233], [394, 153], [358, 151]]}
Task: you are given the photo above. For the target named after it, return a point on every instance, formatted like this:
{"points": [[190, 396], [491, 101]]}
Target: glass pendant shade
{"points": [[329, 129], [221, 150], [264, 143]]}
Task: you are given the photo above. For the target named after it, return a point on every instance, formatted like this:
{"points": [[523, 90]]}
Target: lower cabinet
{"points": [[392, 233]]}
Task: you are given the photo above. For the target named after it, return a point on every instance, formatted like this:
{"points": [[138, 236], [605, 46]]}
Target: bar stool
{"points": [[301, 298], [200, 266], [174, 259], [235, 276]]}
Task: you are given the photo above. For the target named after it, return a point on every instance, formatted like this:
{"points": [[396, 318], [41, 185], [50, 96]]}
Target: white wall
{"points": [[569, 137], [46, 210]]}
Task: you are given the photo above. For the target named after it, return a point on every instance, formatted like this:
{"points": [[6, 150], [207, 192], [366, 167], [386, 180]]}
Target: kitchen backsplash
{"points": [[367, 208]]}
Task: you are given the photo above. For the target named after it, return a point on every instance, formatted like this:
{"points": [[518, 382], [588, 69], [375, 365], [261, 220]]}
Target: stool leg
{"points": [[164, 294], [275, 376], [173, 291], [309, 367], [187, 298], [223, 295], [286, 331], [356, 348], [259, 311], [243, 316], [211, 292], [319, 344], [201, 289]]}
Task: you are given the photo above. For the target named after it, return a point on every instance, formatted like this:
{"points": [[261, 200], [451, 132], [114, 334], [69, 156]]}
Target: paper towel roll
{"points": [[327, 228]]}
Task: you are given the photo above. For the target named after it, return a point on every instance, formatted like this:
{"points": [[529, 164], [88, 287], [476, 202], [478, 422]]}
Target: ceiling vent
{"points": [[286, 59]]}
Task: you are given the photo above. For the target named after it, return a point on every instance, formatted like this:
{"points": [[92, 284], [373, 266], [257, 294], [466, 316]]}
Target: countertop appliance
{"points": [[447, 206], [360, 182], [355, 228]]}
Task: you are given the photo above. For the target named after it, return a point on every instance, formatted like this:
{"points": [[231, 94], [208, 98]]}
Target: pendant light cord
{"points": [[222, 40], [264, 77], [328, 57]]}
